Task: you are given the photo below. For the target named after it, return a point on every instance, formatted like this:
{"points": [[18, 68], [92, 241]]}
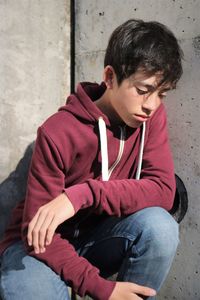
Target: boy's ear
{"points": [[108, 76]]}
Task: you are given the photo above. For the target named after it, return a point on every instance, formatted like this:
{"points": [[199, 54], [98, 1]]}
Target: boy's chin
{"points": [[134, 124]]}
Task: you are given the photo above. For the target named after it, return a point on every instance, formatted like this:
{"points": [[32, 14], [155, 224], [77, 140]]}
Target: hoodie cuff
{"points": [[80, 196], [100, 288]]}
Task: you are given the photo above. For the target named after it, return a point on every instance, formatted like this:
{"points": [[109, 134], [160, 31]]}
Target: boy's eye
{"points": [[141, 92], [162, 95]]}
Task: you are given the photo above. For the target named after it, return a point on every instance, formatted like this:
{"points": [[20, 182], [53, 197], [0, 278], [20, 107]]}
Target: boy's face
{"points": [[137, 98]]}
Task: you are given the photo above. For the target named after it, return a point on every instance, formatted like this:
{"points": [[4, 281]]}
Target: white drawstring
{"points": [[139, 167], [104, 149]]}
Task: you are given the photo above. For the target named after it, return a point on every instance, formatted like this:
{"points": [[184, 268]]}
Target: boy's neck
{"points": [[104, 104]]}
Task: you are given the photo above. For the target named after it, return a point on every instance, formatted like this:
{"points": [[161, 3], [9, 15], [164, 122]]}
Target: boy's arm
{"points": [[46, 182], [122, 197]]}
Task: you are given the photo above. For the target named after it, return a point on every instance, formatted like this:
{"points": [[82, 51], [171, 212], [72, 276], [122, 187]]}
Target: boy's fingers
{"points": [[143, 290], [137, 297], [35, 241], [37, 232], [50, 231], [30, 229], [43, 232]]}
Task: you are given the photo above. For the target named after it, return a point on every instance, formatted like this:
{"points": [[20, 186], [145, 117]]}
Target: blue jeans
{"points": [[139, 248]]}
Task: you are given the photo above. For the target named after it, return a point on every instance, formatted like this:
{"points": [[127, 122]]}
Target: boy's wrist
{"points": [[80, 196]]}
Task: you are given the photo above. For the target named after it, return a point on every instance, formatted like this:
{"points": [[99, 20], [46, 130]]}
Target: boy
{"points": [[86, 214]]}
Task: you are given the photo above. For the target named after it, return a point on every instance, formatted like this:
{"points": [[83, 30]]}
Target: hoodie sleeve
{"points": [[45, 182], [122, 197]]}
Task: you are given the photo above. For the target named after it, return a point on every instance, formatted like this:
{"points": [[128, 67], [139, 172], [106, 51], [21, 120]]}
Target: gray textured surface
{"points": [[95, 21], [34, 71], [13, 188], [34, 81]]}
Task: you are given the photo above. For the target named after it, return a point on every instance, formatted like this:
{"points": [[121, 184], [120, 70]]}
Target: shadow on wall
{"points": [[13, 189]]}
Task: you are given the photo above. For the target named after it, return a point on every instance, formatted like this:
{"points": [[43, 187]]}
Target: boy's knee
{"points": [[162, 233], [157, 232]]}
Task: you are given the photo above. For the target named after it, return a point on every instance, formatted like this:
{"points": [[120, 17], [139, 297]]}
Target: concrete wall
{"points": [[34, 81], [95, 21]]}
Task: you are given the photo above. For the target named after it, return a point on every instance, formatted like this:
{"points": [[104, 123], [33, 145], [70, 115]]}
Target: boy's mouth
{"points": [[142, 117]]}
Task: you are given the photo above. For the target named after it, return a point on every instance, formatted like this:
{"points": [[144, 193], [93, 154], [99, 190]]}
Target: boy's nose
{"points": [[151, 102]]}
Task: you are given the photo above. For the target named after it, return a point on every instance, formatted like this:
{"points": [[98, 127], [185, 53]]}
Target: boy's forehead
{"points": [[150, 81], [146, 78]]}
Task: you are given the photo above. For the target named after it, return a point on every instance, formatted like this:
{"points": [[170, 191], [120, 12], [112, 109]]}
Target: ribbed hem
{"points": [[100, 288]]}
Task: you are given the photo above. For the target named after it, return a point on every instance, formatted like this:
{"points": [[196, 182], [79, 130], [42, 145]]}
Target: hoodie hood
{"points": [[81, 104]]}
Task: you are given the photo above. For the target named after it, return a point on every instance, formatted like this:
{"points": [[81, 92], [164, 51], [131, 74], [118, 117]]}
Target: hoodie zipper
{"points": [[121, 150]]}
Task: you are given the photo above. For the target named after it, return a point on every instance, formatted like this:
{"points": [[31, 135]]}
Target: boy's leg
{"points": [[140, 247], [24, 277]]}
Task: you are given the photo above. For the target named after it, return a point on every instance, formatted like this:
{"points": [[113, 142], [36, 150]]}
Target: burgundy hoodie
{"points": [[67, 158]]}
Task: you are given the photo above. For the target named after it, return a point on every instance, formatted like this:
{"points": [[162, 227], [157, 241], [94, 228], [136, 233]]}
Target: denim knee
{"points": [[159, 232], [152, 239]]}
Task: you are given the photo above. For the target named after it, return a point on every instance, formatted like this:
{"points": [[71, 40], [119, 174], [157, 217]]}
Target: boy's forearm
{"points": [[82, 276], [122, 197]]}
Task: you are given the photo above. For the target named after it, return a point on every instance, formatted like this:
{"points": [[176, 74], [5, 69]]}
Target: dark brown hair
{"points": [[147, 46]]}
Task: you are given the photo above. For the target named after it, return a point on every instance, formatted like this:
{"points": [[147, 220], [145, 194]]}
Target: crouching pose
{"points": [[101, 182]]}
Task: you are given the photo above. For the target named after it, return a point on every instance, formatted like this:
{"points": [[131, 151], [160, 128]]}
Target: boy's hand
{"points": [[130, 291], [43, 225]]}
